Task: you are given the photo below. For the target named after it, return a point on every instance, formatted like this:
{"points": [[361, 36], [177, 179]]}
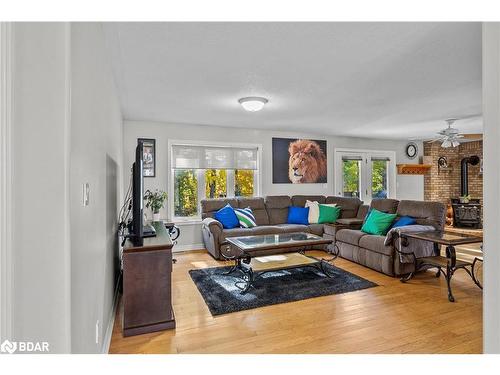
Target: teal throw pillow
{"points": [[328, 214], [378, 222]]}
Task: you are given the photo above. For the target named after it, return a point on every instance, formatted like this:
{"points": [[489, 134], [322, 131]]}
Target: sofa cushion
{"points": [[425, 213], [227, 217], [389, 206], [403, 221], [313, 211], [290, 228], [362, 211], [298, 215], [348, 206], [258, 209], [350, 221], [277, 208], [245, 217], [376, 243], [210, 206], [378, 222], [328, 214], [255, 231], [317, 229], [300, 200], [350, 236]]}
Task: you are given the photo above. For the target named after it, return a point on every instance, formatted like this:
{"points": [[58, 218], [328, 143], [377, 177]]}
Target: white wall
{"points": [[408, 187], [66, 130], [40, 222], [5, 183], [96, 158], [491, 118]]}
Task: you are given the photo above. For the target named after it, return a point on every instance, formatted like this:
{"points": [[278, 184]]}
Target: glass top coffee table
{"points": [[250, 260]]}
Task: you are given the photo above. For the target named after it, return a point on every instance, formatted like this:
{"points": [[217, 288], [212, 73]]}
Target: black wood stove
{"points": [[466, 215]]}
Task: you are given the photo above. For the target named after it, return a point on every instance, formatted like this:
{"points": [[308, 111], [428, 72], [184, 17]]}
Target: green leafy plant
{"points": [[155, 200]]}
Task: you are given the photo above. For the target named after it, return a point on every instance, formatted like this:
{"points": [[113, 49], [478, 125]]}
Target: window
{"points": [[185, 193], [212, 171], [379, 177], [243, 183], [351, 171], [365, 174], [216, 183]]}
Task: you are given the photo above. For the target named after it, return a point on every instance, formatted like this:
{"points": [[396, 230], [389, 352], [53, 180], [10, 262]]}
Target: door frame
{"points": [[365, 177], [6, 267]]}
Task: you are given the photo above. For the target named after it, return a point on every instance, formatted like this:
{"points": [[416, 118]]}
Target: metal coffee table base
{"points": [[249, 276]]}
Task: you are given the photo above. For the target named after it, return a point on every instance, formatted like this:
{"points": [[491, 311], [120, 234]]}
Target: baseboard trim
{"points": [[106, 343], [195, 246]]}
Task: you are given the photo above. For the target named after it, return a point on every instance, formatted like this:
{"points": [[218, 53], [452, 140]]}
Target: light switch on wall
{"points": [[97, 332], [86, 194]]}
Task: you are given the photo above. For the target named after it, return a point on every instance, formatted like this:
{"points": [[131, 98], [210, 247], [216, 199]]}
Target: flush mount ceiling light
{"points": [[253, 103]]}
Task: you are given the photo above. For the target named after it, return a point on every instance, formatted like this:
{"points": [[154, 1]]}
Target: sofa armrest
{"points": [[212, 230], [350, 222], [212, 224]]}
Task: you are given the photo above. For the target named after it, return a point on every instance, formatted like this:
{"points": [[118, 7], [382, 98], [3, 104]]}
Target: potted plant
{"points": [[155, 201], [465, 199]]}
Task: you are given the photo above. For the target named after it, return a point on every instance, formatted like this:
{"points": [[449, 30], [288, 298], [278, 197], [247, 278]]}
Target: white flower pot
{"points": [[156, 217]]}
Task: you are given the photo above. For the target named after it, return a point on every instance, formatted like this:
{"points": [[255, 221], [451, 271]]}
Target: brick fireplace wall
{"points": [[442, 185]]}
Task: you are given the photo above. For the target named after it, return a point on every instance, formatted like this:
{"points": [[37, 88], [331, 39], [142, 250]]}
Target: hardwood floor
{"points": [[391, 318]]}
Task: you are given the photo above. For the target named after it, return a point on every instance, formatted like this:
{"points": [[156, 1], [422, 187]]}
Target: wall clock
{"points": [[411, 150]]}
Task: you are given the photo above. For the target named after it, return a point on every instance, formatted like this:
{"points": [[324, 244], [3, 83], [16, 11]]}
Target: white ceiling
{"points": [[380, 80]]}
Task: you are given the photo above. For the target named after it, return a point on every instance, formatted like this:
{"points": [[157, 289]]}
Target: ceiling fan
{"points": [[451, 137]]}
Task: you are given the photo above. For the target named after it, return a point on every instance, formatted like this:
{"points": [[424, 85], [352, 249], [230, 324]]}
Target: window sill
{"points": [[181, 222]]}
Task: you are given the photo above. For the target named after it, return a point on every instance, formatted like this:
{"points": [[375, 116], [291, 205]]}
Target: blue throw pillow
{"points": [[404, 221], [298, 215], [227, 217]]}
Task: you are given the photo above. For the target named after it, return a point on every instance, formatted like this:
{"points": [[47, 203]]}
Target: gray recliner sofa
{"points": [[371, 250], [271, 216]]}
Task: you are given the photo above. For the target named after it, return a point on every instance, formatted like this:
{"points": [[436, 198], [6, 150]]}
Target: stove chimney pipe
{"points": [[464, 173]]}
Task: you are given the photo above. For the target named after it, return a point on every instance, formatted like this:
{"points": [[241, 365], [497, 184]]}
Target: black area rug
{"points": [[222, 296]]}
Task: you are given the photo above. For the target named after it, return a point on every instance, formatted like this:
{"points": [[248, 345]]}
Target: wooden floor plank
{"points": [[392, 318]]}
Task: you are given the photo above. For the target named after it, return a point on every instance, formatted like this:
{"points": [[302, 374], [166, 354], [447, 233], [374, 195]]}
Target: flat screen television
{"points": [[137, 228]]}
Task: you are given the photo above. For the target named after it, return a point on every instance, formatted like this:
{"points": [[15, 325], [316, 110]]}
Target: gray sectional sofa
{"points": [[271, 216], [370, 250]]}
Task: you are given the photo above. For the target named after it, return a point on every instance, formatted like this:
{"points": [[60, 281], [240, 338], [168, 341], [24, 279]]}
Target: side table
{"points": [[450, 262]]}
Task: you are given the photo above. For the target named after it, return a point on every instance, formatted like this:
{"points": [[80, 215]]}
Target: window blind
{"points": [[380, 158], [213, 157], [352, 158]]}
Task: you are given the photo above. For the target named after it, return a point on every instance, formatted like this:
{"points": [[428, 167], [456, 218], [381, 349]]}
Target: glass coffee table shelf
{"points": [[250, 259]]}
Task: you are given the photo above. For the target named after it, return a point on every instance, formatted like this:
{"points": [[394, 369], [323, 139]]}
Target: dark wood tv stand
{"points": [[147, 284]]}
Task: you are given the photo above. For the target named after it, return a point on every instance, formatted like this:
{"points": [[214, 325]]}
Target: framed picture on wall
{"points": [[148, 156], [299, 161]]}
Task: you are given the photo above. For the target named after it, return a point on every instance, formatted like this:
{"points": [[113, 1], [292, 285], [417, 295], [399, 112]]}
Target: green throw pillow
{"points": [[328, 214], [378, 222]]}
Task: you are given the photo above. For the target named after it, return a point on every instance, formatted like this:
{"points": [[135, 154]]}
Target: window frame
{"points": [[366, 172], [200, 175]]}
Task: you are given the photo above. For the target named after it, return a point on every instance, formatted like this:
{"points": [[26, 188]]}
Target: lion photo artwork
{"points": [[299, 161]]}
